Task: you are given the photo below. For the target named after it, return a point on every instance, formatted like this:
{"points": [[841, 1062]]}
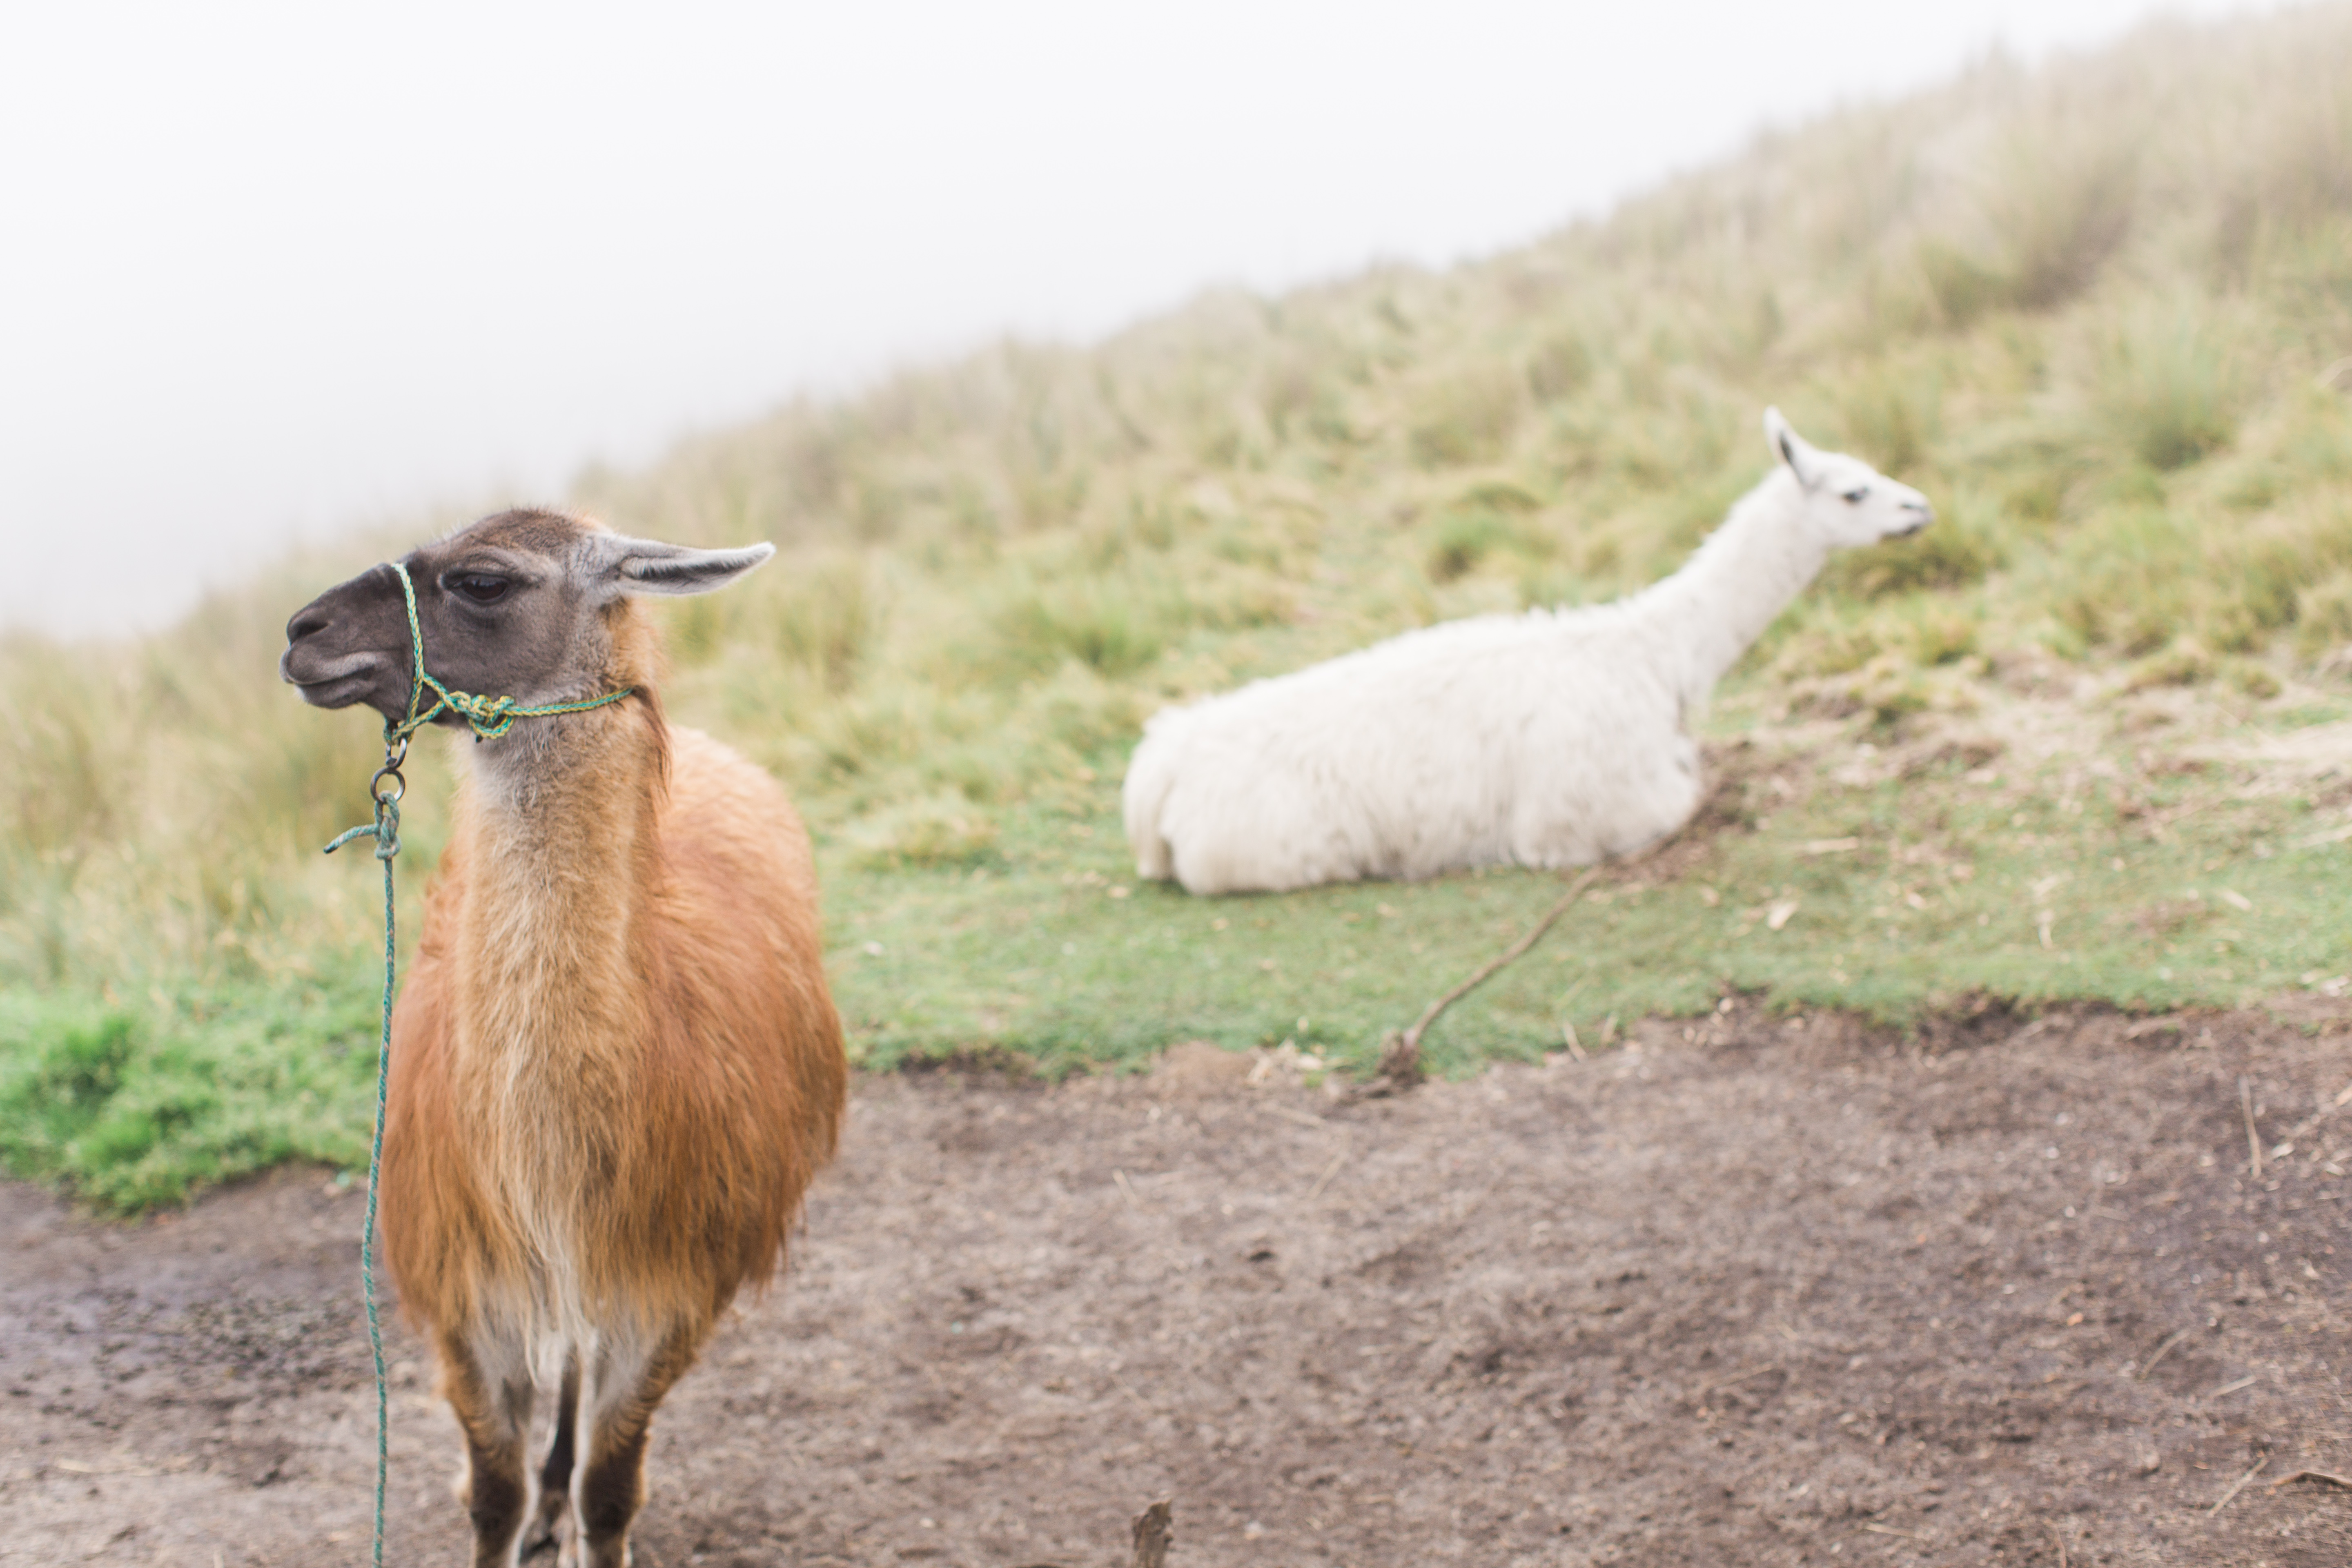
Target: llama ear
{"points": [[626, 565], [1791, 449]]}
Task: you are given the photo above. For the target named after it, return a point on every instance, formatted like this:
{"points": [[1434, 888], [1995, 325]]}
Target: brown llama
{"points": [[616, 1064]]}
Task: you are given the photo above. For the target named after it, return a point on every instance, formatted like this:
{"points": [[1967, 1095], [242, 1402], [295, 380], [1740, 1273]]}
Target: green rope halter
{"points": [[488, 718]]}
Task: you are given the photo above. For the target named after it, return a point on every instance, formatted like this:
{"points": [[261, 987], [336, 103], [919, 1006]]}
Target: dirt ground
{"points": [[1773, 1292]]}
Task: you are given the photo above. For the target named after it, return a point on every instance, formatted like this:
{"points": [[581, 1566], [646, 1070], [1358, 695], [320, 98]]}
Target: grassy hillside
{"points": [[2086, 737]]}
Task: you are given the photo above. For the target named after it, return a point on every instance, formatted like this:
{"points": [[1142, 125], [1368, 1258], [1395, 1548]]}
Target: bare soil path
{"points": [[1770, 1294]]}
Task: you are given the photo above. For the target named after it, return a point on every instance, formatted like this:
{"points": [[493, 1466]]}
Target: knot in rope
{"points": [[385, 828], [487, 716]]}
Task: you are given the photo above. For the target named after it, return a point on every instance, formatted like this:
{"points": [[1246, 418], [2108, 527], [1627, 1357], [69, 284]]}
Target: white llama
{"points": [[1552, 738]]}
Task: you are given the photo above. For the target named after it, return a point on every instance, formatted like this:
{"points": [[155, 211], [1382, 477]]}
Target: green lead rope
{"points": [[488, 718], [385, 830]]}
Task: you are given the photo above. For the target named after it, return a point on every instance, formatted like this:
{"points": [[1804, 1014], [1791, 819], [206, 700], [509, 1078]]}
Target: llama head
{"points": [[1845, 499], [530, 604]]}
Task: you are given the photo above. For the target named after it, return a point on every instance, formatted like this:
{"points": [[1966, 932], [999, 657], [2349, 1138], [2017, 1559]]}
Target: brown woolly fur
{"points": [[616, 1066], [599, 1021]]}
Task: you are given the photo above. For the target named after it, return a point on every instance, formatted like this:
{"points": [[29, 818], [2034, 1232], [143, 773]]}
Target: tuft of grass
{"points": [[1963, 287], [2165, 386], [1892, 416], [1464, 538], [942, 829], [1953, 554], [829, 617], [1942, 634], [2323, 615], [2059, 200], [2185, 662], [1560, 366], [2065, 208], [2130, 583], [1463, 418], [1114, 628]]}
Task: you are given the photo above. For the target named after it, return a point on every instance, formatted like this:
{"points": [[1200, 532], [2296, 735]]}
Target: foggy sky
{"points": [[271, 271]]}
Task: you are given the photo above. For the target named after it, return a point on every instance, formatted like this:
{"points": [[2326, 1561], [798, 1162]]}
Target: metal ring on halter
{"points": [[376, 786]]}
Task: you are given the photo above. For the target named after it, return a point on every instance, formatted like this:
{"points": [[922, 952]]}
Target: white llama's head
{"points": [[1846, 500]]}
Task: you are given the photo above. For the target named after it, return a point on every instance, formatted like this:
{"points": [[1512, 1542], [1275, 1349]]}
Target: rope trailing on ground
{"points": [[1399, 1063], [488, 718], [1400, 1066]]}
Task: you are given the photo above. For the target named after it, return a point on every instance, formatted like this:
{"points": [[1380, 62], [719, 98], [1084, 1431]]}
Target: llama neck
{"points": [[558, 827], [1708, 613]]}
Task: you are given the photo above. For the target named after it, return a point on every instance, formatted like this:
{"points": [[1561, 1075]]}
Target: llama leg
{"points": [[555, 1476], [610, 1486], [489, 1388]]}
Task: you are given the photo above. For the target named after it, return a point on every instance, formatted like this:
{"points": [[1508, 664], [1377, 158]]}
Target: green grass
{"points": [[2083, 309], [1910, 893], [134, 1104]]}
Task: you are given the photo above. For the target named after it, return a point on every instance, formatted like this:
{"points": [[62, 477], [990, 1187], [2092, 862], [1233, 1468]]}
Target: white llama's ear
{"points": [[1791, 448], [628, 565]]}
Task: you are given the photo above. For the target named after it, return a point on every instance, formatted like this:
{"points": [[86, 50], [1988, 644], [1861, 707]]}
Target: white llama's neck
{"points": [[1706, 615]]}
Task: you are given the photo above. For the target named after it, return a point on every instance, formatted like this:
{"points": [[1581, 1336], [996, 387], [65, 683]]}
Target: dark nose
{"points": [[307, 620]]}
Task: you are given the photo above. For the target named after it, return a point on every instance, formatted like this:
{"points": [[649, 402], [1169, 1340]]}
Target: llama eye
{"points": [[1854, 497], [480, 587]]}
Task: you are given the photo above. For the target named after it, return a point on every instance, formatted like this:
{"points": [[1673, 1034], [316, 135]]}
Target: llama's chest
{"points": [[543, 1130]]}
